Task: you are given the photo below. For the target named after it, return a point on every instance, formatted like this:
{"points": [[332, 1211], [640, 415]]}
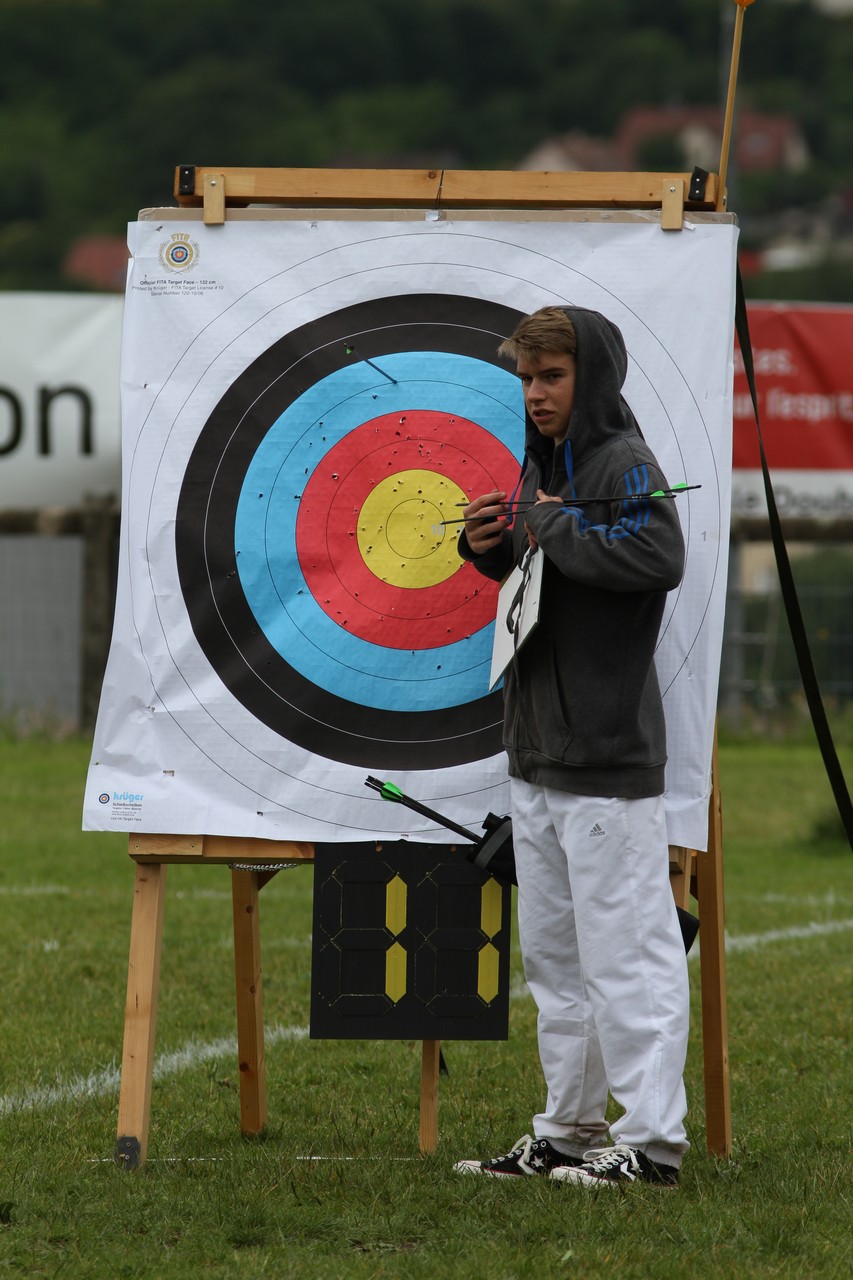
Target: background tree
{"points": [[100, 99]]}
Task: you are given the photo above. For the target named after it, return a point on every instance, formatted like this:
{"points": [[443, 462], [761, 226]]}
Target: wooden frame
{"points": [[692, 874], [223, 192], [214, 189], [251, 869]]}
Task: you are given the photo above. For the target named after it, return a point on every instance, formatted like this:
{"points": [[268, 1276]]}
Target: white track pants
{"points": [[605, 963]]}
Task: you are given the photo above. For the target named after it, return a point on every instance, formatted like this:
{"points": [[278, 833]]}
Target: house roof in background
{"points": [[98, 261]]}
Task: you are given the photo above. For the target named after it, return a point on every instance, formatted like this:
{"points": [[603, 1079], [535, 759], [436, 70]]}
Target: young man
{"points": [[585, 736]]}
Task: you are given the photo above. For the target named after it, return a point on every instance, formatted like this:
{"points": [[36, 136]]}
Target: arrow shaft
{"points": [[398, 798], [522, 507]]}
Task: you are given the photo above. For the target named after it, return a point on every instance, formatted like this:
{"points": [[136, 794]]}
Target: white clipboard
{"points": [[518, 612]]}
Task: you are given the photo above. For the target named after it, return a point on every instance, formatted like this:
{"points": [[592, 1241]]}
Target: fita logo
{"points": [[179, 253]]}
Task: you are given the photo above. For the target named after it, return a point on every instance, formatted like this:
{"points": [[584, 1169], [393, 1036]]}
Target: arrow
{"points": [[352, 351], [519, 508], [388, 791]]}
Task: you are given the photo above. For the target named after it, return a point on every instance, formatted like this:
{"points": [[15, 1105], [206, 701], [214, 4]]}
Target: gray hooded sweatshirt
{"points": [[582, 704]]}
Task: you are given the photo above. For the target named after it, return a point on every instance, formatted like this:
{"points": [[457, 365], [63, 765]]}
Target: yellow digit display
{"points": [[395, 922], [409, 942]]}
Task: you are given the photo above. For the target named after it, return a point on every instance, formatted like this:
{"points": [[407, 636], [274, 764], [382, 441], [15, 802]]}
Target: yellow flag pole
{"points": [[730, 102]]}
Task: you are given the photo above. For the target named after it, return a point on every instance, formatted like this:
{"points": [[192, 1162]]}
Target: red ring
{"points": [[337, 576]]}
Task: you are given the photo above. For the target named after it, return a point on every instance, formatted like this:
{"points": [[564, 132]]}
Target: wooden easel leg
{"points": [[430, 1062], [245, 894], [140, 1015], [712, 959], [681, 864]]}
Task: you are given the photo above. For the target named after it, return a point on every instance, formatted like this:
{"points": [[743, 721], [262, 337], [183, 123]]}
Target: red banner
{"points": [[804, 378]]}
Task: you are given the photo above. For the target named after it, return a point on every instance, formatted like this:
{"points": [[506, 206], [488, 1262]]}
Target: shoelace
{"points": [[602, 1159], [521, 1148]]}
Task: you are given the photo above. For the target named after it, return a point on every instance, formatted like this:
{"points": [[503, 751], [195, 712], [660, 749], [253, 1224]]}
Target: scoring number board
{"points": [[411, 942]]}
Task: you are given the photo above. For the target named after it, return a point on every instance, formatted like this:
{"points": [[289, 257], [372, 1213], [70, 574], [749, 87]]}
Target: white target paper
{"points": [[304, 405]]}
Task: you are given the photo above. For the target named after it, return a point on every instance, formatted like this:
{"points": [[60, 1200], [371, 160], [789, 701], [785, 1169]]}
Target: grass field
{"points": [[209, 1203]]}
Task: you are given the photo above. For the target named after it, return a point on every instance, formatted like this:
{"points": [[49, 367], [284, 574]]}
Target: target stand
{"points": [[418, 899], [242, 609]]}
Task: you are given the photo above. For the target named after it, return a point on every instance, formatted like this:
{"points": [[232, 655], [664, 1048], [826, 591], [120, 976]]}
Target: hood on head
{"points": [[599, 412]]}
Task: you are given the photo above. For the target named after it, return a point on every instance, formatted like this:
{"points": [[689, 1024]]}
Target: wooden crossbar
{"points": [[217, 187]]}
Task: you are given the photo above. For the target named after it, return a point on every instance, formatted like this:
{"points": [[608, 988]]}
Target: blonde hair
{"points": [[548, 329]]}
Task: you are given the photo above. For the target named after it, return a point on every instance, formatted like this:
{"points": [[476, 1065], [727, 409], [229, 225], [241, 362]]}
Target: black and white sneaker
{"points": [[609, 1166], [529, 1156]]}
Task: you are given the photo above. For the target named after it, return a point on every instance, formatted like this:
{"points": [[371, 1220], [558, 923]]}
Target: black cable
{"points": [[789, 592]]}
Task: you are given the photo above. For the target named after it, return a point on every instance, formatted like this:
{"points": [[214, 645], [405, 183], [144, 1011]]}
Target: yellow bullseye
{"points": [[400, 535]]}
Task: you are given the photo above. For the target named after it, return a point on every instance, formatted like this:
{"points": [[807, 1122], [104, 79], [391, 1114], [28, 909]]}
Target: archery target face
{"points": [[319, 506], [304, 406]]}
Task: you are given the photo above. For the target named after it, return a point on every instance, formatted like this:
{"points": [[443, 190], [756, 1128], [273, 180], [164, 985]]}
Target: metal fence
{"points": [[57, 584], [759, 670]]}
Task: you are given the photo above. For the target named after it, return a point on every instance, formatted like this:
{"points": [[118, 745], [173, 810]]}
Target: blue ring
{"points": [[265, 526]]}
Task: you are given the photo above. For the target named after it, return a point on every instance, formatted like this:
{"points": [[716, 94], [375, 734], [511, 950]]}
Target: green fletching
{"points": [[390, 792], [670, 493]]}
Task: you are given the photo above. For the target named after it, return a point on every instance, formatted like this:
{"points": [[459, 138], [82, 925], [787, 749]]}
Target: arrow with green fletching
{"points": [[521, 507]]}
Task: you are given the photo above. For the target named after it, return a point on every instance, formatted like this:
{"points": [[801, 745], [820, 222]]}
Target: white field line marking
{"points": [[284, 943], [33, 890], [219, 1159], [161, 1160], [107, 1080], [817, 929], [36, 890], [828, 899], [193, 1054]]}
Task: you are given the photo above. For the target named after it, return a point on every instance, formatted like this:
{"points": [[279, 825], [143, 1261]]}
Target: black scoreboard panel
{"points": [[410, 942]]}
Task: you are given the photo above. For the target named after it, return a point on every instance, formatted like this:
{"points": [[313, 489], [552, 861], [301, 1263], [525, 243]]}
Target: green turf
{"points": [[209, 1203]]}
